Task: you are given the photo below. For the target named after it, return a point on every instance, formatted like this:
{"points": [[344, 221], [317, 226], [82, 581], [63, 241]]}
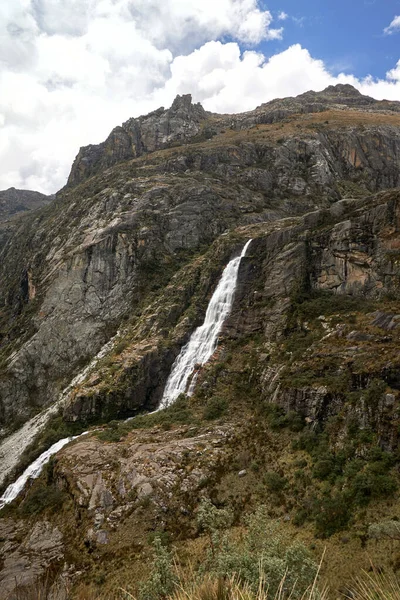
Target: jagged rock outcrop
{"points": [[138, 136]]}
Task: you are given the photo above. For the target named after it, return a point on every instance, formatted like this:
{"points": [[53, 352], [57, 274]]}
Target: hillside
{"points": [[298, 410], [14, 201], [13, 204]]}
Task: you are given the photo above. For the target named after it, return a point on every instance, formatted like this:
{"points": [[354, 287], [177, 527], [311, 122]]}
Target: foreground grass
{"points": [[368, 586]]}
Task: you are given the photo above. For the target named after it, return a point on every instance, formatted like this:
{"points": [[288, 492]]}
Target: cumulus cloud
{"points": [[74, 69], [394, 26], [282, 16]]}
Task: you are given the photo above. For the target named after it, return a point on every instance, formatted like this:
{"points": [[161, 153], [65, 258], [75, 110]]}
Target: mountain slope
{"points": [[16, 203], [299, 404], [93, 257], [298, 409]]}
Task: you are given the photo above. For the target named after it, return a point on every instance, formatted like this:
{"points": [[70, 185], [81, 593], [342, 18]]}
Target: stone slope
{"points": [[14, 204]]}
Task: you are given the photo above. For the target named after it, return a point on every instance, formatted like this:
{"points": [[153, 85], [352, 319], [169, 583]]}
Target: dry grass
{"points": [[367, 587], [232, 589], [375, 586], [42, 589]]}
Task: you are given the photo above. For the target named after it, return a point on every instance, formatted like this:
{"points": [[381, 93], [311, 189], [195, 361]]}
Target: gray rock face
{"points": [[26, 556]]}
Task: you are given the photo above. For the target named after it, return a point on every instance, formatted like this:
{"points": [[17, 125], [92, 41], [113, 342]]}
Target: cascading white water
{"points": [[33, 471], [204, 339]]}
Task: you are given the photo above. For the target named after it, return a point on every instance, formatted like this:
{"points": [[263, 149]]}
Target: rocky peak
{"points": [[141, 135], [182, 102], [184, 107], [342, 89], [344, 94]]}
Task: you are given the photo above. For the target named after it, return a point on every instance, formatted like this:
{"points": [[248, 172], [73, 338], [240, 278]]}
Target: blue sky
{"points": [[71, 70], [346, 34]]}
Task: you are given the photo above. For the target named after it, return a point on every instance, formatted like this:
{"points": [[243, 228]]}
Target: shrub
{"points": [[327, 466], [40, 498], [332, 514], [212, 520], [274, 482], [262, 565], [385, 529], [265, 558], [215, 408], [163, 578], [275, 415], [295, 421], [368, 485], [374, 393], [109, 435], [308, 441]]}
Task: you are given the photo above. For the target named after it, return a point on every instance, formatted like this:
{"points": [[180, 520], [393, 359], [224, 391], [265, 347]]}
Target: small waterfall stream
{"points": [[33, 471], [12, 447], [204, 339], [197, 351]]}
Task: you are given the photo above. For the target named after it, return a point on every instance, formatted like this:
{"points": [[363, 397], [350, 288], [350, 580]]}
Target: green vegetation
{"points": [[278, 419], [275, 482], [215, 408], [179, 413], [350, 480], [261, 560], [163, 579], [42, 497]]}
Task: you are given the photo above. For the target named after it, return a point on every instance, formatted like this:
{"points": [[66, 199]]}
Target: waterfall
{"points": [[33, 471], [204, 339], [197, 351]]}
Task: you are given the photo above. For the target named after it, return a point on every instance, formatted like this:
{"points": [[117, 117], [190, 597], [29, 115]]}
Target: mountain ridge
{"points": [[184, 120]]}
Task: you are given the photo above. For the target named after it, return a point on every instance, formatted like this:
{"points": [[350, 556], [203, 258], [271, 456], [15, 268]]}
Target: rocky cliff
{"points": [[157, 130], [99, 252], [101, 289]]}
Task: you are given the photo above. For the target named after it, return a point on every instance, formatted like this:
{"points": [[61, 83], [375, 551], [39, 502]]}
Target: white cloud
{"points": [[74, 69], [175, 22], [282, 16], [393, 27]]}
